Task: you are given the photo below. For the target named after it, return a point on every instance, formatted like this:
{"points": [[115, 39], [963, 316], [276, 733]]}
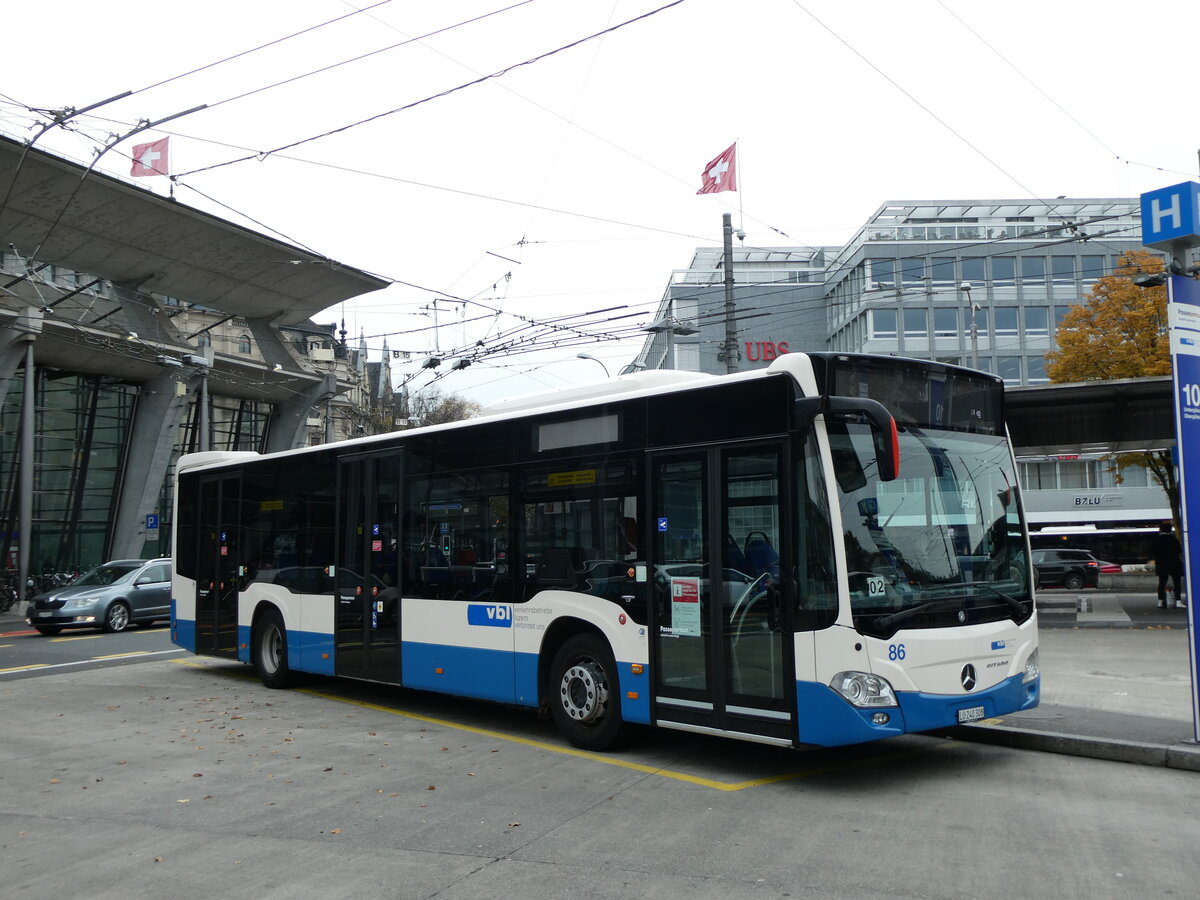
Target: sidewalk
{"points": [[1116, 683]]}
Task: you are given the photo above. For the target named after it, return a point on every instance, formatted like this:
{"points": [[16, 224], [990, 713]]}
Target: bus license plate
{"points": [[41, 612], [970, 714]]}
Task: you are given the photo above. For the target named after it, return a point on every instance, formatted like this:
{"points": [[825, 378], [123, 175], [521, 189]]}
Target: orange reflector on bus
{"points": [[439, 671], [632, 695], [324, 656], [636, 668]]}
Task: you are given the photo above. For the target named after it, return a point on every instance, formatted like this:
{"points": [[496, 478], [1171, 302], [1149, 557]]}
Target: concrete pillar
{"points": [[289, 419], [161, 408]]}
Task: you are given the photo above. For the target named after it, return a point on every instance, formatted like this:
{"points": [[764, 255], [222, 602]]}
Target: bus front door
{"points": [[721, 662], [366, 582]]}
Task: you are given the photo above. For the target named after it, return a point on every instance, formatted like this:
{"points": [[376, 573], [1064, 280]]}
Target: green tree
{"points": [[1120, 331]]}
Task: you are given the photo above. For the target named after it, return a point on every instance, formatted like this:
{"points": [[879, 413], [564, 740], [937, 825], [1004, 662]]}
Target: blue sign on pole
{"points": [[1183, 315], [1170, 214], [151, 521]]}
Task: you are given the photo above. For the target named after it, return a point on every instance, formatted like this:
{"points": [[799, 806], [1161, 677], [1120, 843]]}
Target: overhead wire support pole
{"points": [[730, 344]]}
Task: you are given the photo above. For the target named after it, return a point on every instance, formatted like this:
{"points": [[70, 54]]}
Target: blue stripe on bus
{"points": [[635, 709], [925, 712], [829, 721], [468, 672]]}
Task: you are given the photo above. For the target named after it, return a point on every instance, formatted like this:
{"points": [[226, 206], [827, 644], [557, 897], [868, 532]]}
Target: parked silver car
{"points": [[110, 597]]}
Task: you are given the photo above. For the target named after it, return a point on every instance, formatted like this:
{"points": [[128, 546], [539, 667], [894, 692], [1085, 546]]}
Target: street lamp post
{"points": [[593, 359], [972, 309]]}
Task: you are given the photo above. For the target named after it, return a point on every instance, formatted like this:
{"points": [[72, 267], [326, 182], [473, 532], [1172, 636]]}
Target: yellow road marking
{"points": [[78, 637], [828, 769], [122, 655], [23, 668]]}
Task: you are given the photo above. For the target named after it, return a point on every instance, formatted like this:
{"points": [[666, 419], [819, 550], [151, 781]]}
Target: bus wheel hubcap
{"points": [[583, 692]]}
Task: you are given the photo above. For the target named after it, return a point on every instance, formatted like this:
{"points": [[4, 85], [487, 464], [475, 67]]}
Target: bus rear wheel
{"points": [[269, 650], [585, 695]]}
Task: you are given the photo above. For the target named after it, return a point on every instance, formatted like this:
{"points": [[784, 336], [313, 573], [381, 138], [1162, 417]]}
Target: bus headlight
{"points": [[1032, 667], [863, 689]]}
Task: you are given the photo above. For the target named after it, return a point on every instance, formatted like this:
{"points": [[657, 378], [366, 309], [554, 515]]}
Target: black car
{"points": [[1072, 569]]}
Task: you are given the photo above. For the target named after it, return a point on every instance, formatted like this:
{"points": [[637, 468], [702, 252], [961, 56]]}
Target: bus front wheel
{"points": [[585, 695], [270, 650]]}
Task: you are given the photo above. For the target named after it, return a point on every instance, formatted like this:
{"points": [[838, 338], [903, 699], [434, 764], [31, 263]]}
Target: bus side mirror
{"points": [[883, 426]]}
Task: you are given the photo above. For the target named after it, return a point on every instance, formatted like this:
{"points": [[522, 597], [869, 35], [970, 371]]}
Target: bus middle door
{"points": [[366, 582]]}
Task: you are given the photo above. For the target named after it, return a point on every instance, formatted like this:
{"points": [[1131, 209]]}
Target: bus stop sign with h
{"points": [[1171, 223]]}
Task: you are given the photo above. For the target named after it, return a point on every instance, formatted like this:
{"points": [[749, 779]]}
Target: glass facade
{"points": [[82, 425]]}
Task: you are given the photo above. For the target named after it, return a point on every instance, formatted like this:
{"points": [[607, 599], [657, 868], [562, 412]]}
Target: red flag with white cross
{"points": [[721, 173], [150, 159]]}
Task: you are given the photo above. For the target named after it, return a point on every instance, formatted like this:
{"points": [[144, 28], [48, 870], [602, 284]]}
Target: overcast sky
{"points": [[568, 185]]}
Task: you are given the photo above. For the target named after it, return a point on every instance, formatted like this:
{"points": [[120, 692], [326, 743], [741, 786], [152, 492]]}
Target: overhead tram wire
{"points": [[368, 55], [495, 75], [923, 107]]}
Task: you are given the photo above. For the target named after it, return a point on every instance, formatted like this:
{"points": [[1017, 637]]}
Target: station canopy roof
{"points": [[102, 226], [1120, 416]]}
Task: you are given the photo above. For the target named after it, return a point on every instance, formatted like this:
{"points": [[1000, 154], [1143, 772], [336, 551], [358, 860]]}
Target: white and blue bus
{"points": [[827, 551]]}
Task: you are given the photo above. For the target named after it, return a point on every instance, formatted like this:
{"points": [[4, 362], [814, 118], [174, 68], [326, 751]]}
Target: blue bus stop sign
{"points": [[1171, 214], [1183, 316]]}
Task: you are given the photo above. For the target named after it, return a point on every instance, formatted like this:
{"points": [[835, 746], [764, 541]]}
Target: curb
{"points": [[1185, 757]]}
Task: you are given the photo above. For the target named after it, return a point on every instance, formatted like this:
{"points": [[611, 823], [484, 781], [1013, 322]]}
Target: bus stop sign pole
{"points": [[1171, 223], [1183, 316]]}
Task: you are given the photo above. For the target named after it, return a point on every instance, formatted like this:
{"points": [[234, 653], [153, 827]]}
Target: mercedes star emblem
{"points": [[968, 677]]}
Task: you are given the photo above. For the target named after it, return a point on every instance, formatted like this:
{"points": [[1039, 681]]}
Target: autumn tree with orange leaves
{"points": [[1120, 331]]}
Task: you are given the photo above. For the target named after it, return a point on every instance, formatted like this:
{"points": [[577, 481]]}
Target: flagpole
{"points": [[742, 221]]}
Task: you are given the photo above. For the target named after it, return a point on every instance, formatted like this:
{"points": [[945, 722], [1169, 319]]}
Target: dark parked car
{"points": [[1072, 569], [110, 597]]}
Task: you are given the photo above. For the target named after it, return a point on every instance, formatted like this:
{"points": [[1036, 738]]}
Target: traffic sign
{"points": [[152, 522], [1171, 214]]}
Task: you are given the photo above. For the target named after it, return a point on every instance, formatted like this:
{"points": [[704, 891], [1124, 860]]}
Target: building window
{"points": [[1037, 321], [972, 269], [244, 345], [945, 321], [941, 270], [204, 340], [1003, 269], [1009, 368], [913, 270], [1006, 321], [1092, 268], [1060, 313], [883, 272], [1036, 367], [1063, 268], [883, 323], [916, 324], [1033, 268]]}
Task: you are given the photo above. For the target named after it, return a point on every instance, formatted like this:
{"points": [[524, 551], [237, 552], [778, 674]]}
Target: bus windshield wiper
{"points": [[1017, 605], [885, 622]]}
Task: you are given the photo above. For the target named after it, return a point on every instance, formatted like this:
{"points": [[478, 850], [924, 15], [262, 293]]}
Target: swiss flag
{"points": [[150, 159], [721, 173]]}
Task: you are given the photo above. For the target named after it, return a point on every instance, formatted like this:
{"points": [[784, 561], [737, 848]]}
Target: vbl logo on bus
{"points": [[489, 614]]}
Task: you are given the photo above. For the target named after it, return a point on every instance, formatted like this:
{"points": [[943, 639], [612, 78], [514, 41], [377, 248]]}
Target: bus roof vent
{"points": [[622, 384]]}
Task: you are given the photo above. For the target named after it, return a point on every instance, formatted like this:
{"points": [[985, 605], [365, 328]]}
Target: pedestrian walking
{"points": [[1168, 563]]}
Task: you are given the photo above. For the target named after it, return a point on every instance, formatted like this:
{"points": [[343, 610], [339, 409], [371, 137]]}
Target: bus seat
{"points": [[762, 558], [560, 567]]}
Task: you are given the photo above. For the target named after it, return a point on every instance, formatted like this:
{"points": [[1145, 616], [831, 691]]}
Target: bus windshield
{"points": [[940, 546]]}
